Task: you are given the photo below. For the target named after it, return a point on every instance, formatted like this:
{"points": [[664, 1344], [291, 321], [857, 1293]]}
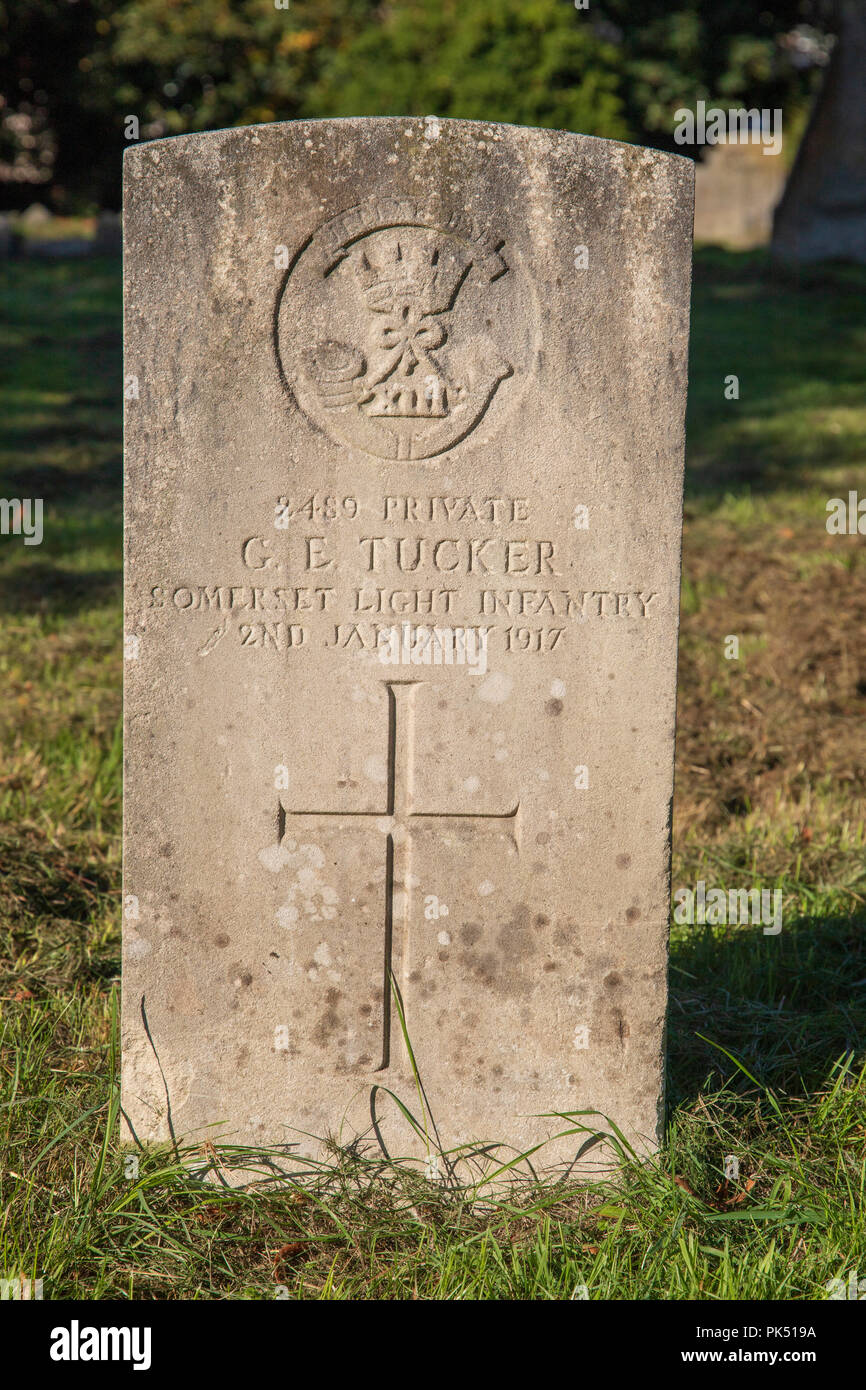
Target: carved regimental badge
{"points": [[398, 330]]}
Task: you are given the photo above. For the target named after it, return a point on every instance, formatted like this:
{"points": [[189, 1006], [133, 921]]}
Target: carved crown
{"points": [[399, 271]]}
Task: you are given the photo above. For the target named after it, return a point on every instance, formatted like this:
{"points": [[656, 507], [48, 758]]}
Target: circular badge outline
{"points": [[375, 215]]}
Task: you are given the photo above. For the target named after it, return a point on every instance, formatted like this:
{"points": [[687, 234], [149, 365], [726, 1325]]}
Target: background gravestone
{"points": [[404, 440]]}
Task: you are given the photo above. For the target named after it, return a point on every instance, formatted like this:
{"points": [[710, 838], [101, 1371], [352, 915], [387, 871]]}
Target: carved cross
{"points": [[404, 821]]}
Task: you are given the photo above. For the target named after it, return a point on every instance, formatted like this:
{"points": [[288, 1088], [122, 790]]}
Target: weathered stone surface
{"points": [[380, 393]]}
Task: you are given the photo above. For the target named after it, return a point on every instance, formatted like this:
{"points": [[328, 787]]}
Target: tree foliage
{"points": [[73, 70]]}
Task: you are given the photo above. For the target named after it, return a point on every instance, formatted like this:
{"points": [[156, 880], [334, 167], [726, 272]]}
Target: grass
{"points": [[766, 1035]]}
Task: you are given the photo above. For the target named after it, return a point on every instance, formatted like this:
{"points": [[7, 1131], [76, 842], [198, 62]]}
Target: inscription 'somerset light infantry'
{"points": [[420, 440]]}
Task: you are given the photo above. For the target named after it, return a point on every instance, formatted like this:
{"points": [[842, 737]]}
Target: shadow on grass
{"points": [[64, 432], [50, 899], [786, 1006], [794, 340], [40, 587]]}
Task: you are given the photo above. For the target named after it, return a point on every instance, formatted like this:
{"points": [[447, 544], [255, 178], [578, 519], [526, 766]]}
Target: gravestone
{"points": [[404, 449]]}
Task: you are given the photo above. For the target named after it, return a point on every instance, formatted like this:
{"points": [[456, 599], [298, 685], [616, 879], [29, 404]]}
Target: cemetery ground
{"points": [[766, 1034]]}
